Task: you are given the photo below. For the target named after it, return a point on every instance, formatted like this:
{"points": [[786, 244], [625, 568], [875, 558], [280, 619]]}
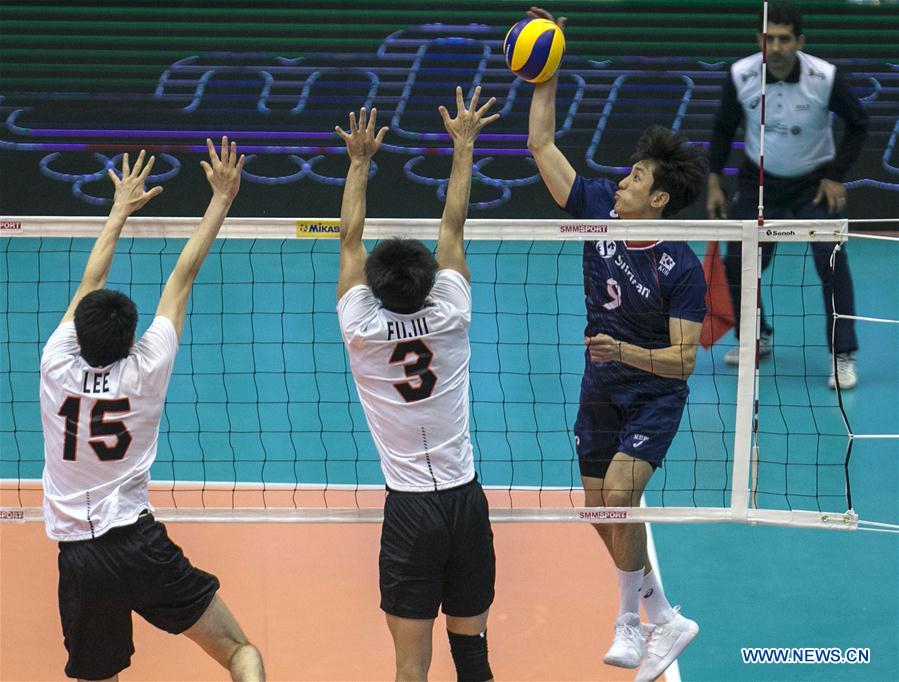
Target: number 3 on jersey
{"points": [[426, 379], [71, 409]]}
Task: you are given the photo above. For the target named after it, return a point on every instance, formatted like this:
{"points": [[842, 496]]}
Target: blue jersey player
{"points": [[645, 306]]}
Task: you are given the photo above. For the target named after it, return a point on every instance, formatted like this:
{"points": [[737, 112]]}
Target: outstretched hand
{"points": [[223, 171], [539, 13], [129, 190], [464, 128], [361, 141]]}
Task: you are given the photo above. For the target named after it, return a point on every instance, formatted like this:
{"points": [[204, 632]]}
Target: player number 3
{"points": [[424, 378]]}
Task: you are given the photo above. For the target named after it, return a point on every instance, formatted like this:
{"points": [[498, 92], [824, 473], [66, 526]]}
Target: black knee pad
{"points": [[470, 656]]}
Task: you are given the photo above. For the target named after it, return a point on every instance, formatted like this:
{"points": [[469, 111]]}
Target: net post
{"points": [[739, 501], [833, 359]]}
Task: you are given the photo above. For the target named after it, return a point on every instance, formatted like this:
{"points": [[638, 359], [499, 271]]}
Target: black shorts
{"points": [[437, 547], [101, 581]]}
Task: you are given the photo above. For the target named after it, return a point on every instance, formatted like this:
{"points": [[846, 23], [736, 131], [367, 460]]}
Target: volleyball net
{"points": [[263, 423]]}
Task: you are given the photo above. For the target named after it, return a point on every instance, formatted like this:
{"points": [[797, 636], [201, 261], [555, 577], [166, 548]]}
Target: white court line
{"points": [[673, 672]]}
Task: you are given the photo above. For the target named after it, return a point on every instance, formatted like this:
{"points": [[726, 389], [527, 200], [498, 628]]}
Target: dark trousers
{"points": [[794, 196]]}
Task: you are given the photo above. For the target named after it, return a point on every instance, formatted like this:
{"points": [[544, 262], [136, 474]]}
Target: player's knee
{"points": [[240, 649], [245, 664], [470, 656], [234, 646], [593, 498], [619, 498], [604, 530], [411, 670]]}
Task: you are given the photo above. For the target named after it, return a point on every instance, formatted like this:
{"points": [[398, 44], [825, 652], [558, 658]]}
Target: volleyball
{"points": [[534, 49]]}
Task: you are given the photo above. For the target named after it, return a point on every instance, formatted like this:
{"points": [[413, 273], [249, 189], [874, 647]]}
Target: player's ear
{"points": [[800, 42], [659, 200]]}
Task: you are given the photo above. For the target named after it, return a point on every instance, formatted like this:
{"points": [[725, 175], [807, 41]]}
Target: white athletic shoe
{"points": [[629, 644], [766, 345], [666, 642], [845, 372]]}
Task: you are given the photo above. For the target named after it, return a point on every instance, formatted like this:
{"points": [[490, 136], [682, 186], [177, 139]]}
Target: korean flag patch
{"points": [[666, 264]]}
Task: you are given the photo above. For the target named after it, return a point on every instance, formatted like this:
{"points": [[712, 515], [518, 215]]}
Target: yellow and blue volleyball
{"points": [[534, 49]]}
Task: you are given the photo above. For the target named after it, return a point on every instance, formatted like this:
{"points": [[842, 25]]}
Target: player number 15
{"points": [[71, 409]]}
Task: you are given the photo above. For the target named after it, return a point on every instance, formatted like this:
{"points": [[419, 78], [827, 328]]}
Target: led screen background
{"points": [[81, 82]]}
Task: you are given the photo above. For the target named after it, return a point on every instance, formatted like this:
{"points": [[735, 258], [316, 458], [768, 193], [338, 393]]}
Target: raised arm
{"points": [[557, 173], [129, 197], [223, 175], [361, 145], [464, 129]]}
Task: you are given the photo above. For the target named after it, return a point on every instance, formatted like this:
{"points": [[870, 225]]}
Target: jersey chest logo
{"points": [[627, 273], [606, 249]]}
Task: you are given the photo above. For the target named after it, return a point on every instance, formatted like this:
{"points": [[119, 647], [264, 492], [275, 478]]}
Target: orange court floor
{"points": [[307, 596]]}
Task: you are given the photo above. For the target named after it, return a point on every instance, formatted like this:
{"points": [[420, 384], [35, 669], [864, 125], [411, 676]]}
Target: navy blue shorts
{"points": [[130, 568], [639, 425]]}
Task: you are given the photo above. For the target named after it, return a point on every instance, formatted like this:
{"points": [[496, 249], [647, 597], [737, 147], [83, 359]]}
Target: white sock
{"points": [[629, 583], [657, 608]]}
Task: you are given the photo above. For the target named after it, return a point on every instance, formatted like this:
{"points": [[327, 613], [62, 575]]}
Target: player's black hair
{"points": [[105, 322], [401, 273], [782, 13], [678, 167]]}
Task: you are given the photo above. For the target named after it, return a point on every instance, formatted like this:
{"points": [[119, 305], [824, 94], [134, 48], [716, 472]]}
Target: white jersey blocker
{"points": [[84, 495], [411, 373]]}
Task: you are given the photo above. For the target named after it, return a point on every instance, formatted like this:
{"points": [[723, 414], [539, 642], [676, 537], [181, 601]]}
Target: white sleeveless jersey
{"points": [[411, 373], [798, 131], [101, 426]]}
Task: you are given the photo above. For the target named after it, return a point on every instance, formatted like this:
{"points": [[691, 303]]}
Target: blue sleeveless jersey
{"points": [[632, 292]]}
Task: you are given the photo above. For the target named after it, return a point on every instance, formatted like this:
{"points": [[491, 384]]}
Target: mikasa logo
{"points": [[318, 229]]}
